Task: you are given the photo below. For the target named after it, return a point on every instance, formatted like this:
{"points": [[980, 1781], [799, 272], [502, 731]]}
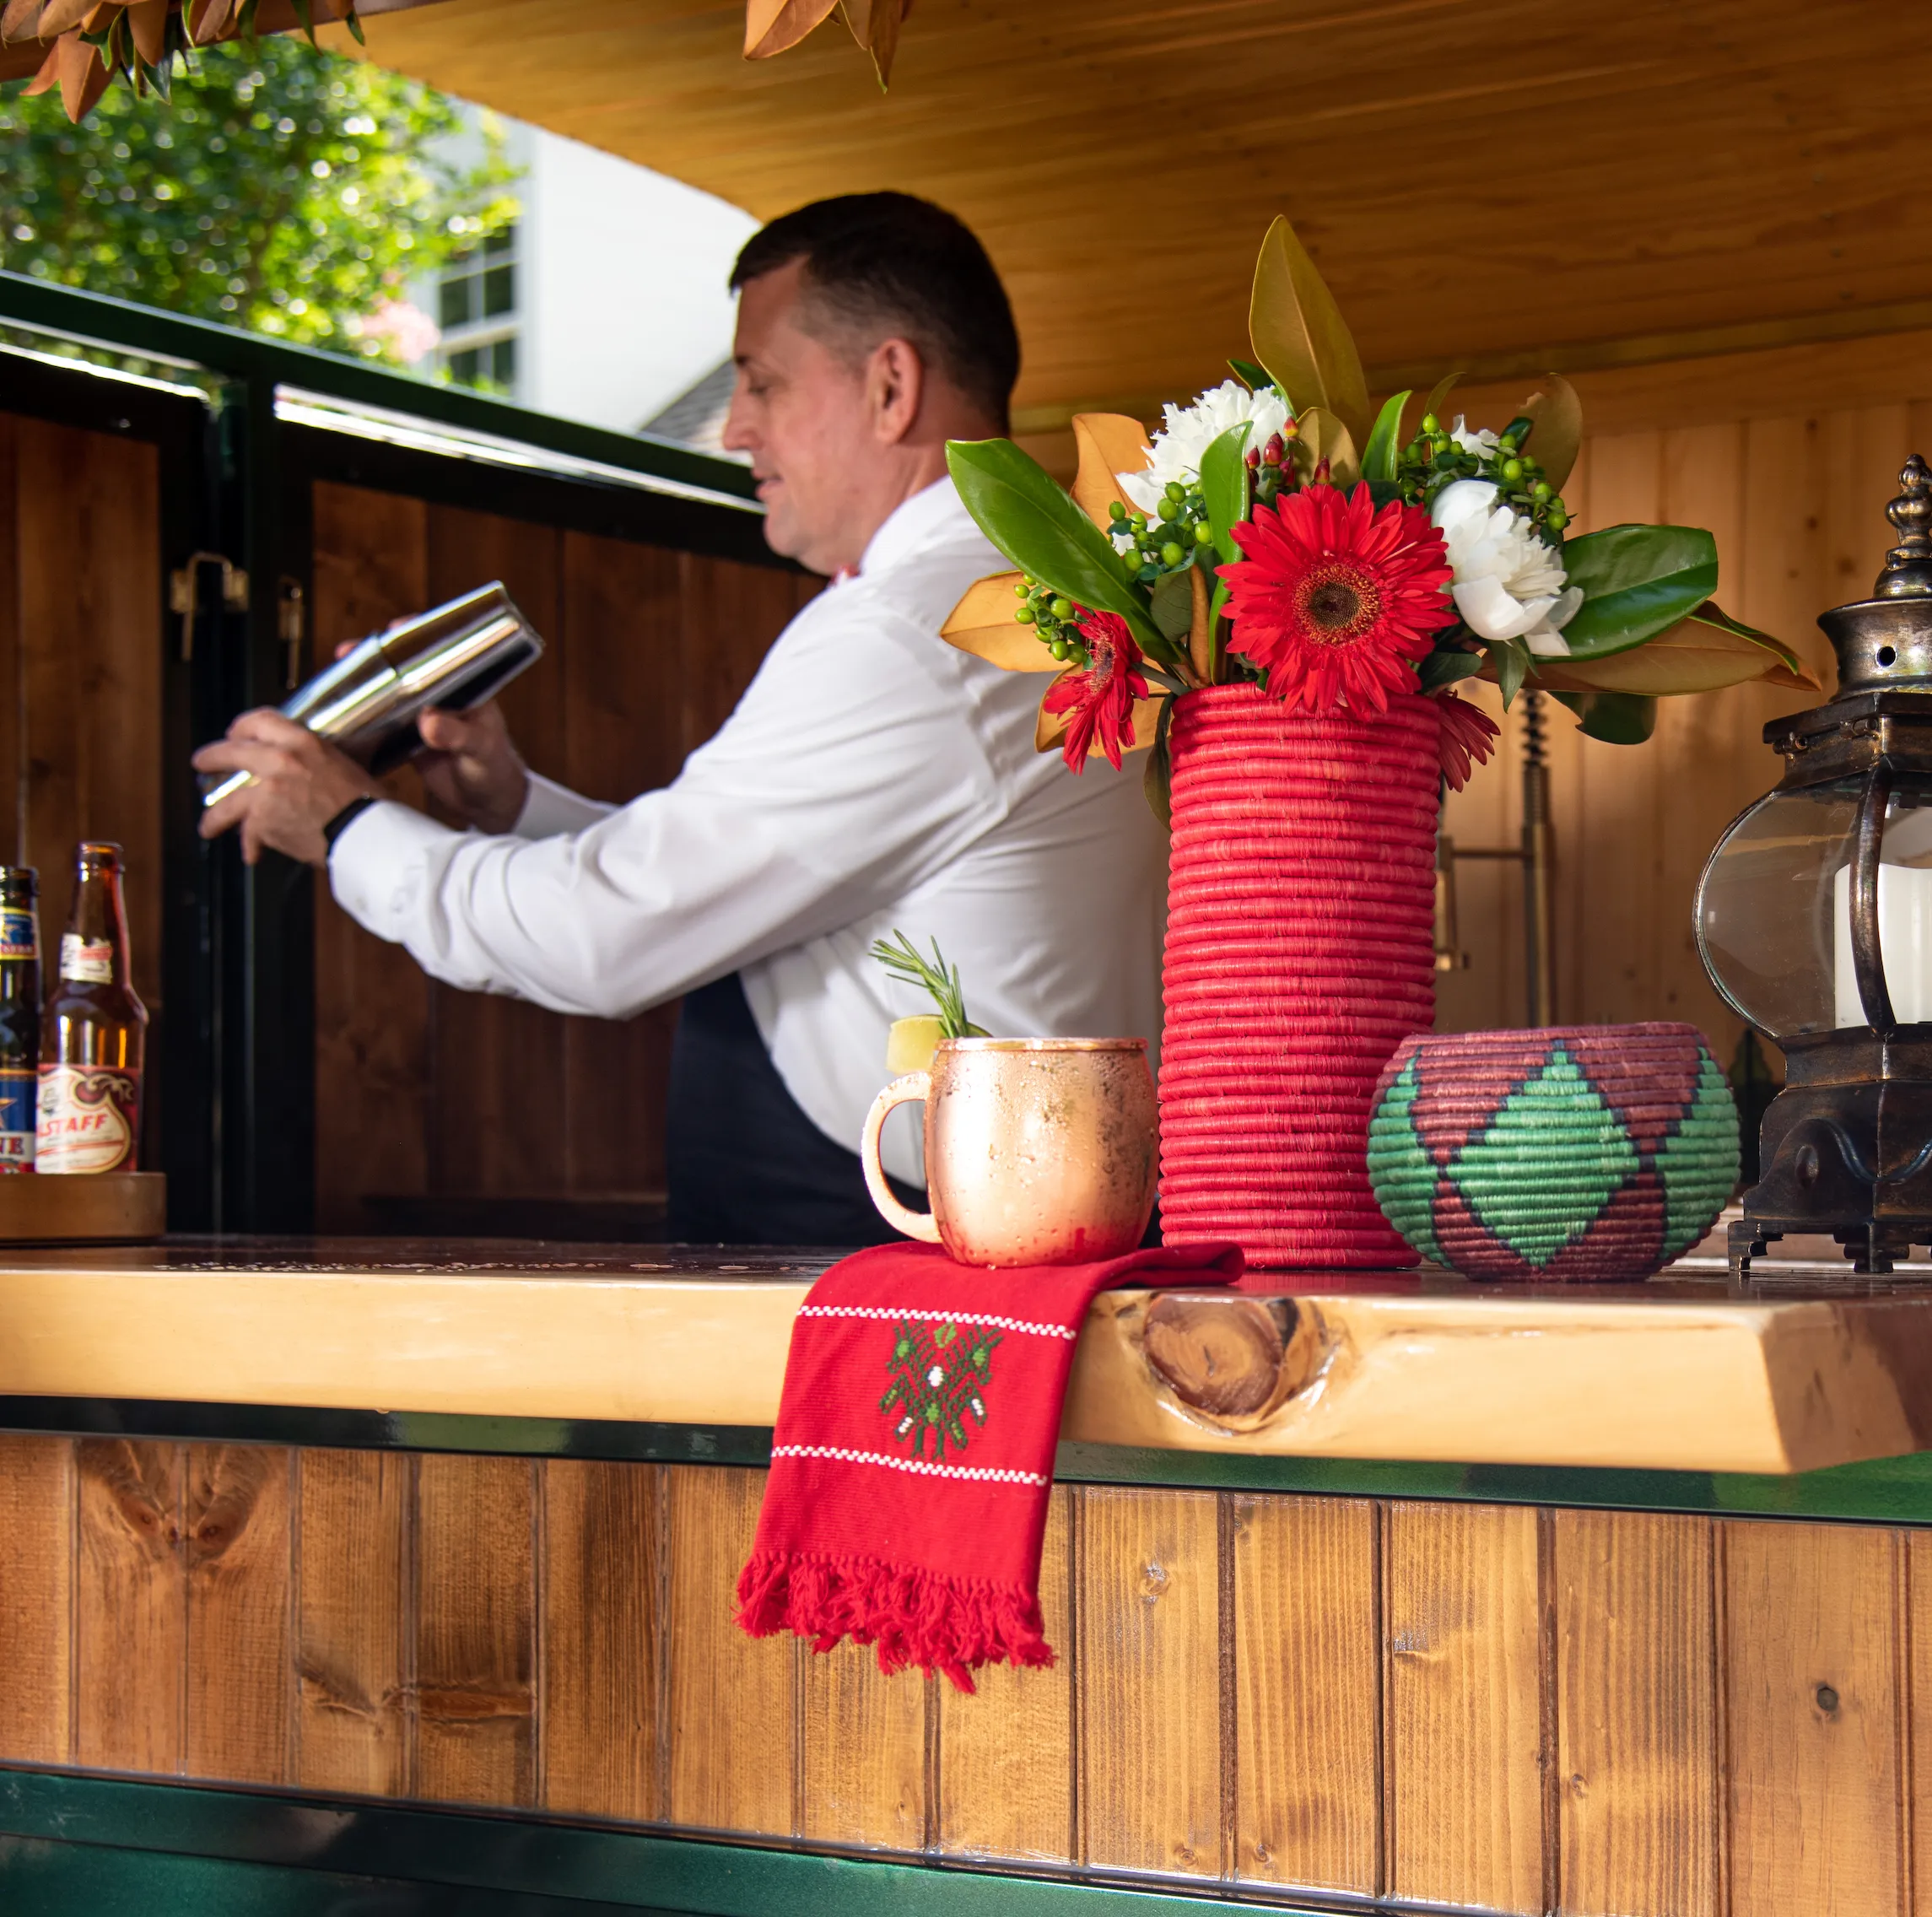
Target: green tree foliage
{"points": [[284, 190]]}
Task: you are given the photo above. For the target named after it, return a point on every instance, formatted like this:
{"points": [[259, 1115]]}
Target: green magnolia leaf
{"points": [[1512, 664], [1172, 601], [1444, 668], [1224, 487], [1035, 522], [1636, 581], [1250, 376], [1300, 335], [1158, 780], [1378, 456], [1618, 718]]}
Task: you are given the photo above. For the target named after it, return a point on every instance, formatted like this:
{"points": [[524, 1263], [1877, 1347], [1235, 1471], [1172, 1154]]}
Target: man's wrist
{"points": [[342, 820]]}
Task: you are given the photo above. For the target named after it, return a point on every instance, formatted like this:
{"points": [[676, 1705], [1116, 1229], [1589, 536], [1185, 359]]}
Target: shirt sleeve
{"points": [[850, 771], [549, 808]]}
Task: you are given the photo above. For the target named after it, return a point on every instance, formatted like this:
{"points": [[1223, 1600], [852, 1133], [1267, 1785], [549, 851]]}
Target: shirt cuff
{"points": [[377, 862], [549, 808]]}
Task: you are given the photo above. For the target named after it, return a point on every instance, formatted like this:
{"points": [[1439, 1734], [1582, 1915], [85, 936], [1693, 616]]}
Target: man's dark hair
{"points": [[896, 266]]}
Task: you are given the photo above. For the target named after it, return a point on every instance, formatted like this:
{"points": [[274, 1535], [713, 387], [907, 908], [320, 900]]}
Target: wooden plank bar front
{"points": [[1267, 1697]]}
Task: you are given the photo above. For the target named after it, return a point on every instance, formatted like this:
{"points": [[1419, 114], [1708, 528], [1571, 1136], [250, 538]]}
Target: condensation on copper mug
{"points": [[1038, 1151]]}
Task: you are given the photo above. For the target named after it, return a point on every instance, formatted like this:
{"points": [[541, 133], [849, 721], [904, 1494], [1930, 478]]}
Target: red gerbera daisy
{"points": [[1100, 697], [1468, 733], [1336, 601]]}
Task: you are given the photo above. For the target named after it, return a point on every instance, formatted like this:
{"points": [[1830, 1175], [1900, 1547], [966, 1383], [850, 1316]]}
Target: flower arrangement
{"points": [[1276, 531]]}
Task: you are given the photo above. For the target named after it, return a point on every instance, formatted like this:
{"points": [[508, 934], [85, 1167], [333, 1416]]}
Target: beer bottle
{"points": [[93, 1033], [19, 1016]]}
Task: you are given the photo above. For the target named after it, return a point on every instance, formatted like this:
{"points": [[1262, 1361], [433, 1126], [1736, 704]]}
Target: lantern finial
{"points": [[1908, 565]]}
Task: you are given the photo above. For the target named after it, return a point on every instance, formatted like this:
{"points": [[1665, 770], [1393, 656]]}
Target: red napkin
{"points": [[914, 1452]]}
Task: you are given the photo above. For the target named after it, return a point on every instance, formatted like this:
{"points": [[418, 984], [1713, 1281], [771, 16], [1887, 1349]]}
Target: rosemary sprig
{"points": [[942, 981]]}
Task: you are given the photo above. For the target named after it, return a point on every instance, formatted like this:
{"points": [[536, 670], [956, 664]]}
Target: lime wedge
{"points": [[911, 1042]]}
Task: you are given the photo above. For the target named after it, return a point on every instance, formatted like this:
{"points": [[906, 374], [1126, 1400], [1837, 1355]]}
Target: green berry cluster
{"points": [[1051, 615], [1168, 544], [1432, 459]]}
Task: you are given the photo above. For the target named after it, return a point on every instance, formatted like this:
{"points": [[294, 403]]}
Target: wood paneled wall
{"points": [[1483, 1706], [421, 1089], [1796, 501], [80, 678]]}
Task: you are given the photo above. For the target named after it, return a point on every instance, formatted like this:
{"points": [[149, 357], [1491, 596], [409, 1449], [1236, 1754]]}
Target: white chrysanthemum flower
{"points": [[1507, 583], [1188, 431], [1477, 440]]}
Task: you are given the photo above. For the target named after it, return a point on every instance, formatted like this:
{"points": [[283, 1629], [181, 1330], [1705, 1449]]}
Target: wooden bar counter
{"points": [[385, 1577]]}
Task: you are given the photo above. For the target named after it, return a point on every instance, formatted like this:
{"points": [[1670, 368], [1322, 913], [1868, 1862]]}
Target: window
{"points": [[476, 311]]}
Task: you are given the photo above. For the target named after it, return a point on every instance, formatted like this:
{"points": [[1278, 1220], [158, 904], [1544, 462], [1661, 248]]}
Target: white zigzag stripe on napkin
{"points": [[936, 1317], [923, 1467]]}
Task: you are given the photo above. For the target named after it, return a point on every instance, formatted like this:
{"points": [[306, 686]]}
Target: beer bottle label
{"points": [[17, 1118], [17, 939], [85, 964], [86, 1119]]}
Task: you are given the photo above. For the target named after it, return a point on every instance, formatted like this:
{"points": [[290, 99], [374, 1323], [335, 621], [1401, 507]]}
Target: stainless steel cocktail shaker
{"points": [[454, 656]]}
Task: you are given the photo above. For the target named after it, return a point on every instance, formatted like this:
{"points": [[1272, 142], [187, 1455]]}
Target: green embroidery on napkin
{"points": [[938, 1381]]}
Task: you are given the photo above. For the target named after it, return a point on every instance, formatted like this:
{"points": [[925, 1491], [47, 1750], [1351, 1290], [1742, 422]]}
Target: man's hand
{"points": [[471, 768], [300, 784]]}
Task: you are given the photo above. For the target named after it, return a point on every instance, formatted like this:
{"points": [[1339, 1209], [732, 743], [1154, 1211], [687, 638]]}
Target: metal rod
{"points": [[1868, 960], [1539, 970]]}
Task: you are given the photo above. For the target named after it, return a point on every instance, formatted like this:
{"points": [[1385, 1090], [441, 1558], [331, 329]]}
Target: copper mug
{"points": [[1038, 1151]]}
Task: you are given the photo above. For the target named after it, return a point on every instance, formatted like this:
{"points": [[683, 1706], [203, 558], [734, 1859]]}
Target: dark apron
{"points": [[745, 1165]]}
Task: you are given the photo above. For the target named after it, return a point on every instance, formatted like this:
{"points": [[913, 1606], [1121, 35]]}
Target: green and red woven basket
{"points": [[1573, 1152]]}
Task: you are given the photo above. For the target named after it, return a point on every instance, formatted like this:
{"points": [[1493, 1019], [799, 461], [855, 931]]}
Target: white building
{"points": [[606, 302]]}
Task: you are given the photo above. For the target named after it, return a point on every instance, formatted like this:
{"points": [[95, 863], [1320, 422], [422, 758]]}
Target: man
{"points": [[873, 778]]}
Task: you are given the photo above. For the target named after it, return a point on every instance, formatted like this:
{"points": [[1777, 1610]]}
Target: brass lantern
{"points": [[1814, 920]]}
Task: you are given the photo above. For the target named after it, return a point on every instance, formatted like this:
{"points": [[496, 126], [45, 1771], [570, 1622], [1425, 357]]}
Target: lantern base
{"points": [[1844, 1157]]}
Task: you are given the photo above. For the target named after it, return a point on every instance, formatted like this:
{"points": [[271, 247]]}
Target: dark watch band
{"points": [[344, 818]]}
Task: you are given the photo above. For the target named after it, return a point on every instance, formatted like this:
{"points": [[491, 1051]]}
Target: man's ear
{"points": [[895, 386]]}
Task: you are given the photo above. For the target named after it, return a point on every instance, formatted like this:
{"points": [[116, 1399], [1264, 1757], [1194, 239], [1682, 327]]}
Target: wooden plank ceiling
{"points": [[1499, 184]]}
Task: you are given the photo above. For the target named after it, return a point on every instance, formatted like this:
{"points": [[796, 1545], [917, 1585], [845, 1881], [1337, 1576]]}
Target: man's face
{"points": [[799, 409]]}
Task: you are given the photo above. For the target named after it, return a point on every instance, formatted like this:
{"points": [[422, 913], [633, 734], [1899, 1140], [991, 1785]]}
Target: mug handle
{"points": [[910, 1089]]}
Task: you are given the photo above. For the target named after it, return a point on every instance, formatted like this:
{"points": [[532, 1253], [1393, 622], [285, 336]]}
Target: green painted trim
{"points": [[538, 1865], [142, 330], [39, 1878], [1888, 1490], [1891, 1491]]}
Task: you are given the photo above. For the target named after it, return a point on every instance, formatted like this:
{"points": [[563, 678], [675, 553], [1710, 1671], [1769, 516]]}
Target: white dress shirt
{"points": [[873, 779]]}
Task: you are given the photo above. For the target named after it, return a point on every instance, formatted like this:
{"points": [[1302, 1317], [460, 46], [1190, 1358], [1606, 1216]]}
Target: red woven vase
{"points": [[1300, 952]]}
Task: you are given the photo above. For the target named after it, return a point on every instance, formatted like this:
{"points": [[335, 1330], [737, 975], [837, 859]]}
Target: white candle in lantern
{"points": [[1904, 941]]}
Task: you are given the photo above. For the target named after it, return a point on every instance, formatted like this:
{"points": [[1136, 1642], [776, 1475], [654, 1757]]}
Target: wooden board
{"points": [[864, 1743], [1814, 1693], [1308, 1678], [354, 1665], [1608, 247], [1464, 1667], [600, 1571], [130, 1606], [1148, 1593], [729, 1695], [239, 1519], [1397, 1371], [108, 1207], [38, 1520], [476, 1646], [1637, 1714], [1006, 1753]]}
